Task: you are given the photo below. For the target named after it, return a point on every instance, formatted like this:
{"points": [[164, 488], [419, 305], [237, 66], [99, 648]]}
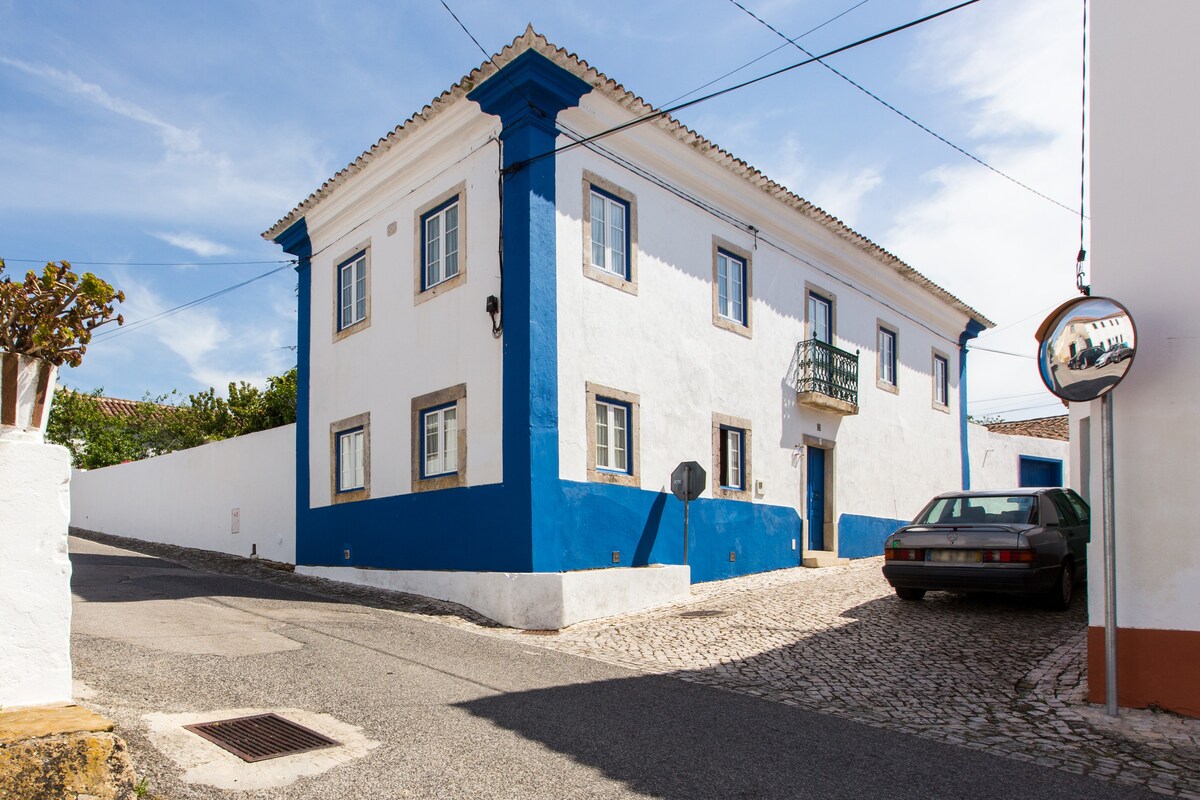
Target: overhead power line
{"points": [[666, 111], [149, 263], [170, 312], [771, 52], [892, 108]]}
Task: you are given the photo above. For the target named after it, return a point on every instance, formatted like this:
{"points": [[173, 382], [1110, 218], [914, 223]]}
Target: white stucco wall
{"points": [[35, 574], [532, 600], [187, 498], [449, 336], [995, 457], [663, 346], [1144, 173]]}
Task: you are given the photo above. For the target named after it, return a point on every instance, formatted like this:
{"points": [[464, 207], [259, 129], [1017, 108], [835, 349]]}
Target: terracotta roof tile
{"points": [[531, 40], [1041, 428]]}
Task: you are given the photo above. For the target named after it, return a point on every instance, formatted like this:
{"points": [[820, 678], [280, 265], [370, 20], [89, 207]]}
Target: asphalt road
{"points": [[434, 710]]}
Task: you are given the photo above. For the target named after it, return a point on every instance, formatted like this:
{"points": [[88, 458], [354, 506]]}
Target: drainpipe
{"points": [[973, 329]]}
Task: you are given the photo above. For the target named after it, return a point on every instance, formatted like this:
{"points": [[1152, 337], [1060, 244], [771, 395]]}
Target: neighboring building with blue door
{"points": [[504, 351]]}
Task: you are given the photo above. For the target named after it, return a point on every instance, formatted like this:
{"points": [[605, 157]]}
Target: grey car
{"points": [[1022, 541]]}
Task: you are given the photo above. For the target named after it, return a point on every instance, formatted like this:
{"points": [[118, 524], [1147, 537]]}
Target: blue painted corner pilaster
{"points": [[973, 329], [295, 241], [527, 94]]}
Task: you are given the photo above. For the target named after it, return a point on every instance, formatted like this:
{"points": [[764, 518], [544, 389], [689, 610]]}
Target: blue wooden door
{"points": [[816, 498], [1034, 471]]}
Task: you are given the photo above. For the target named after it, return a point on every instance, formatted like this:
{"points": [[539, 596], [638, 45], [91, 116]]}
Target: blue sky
{"points": [[146, 133]]}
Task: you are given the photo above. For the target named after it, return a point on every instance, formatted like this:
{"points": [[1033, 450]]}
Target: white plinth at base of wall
{"points": [[532, 600], [35, 573]]}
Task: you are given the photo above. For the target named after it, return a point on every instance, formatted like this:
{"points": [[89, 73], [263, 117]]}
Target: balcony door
{"points": [[820, 318]]}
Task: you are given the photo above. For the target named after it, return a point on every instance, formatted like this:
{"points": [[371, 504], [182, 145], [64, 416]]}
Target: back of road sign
{"points": [[688, 480]]}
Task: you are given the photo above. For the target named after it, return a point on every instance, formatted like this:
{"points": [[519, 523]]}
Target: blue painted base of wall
{"points": [[579, 526], [862, 537]]}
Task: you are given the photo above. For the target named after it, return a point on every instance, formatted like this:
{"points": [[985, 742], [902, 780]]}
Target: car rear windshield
{"points": [[1015, 510]]}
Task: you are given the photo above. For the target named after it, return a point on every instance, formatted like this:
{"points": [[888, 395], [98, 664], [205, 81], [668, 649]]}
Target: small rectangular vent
{"points": [[260, 737]]}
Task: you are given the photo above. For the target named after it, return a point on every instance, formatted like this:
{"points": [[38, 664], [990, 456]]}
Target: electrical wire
{"points": [[152, 263], [105, 336], [1007, 397], [905, 116], [772, 52], [1001, 352], [664, 112]]}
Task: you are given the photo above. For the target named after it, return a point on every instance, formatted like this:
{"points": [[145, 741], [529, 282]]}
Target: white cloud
{"points": [[996, 246], [205, 248], [174, 138]]}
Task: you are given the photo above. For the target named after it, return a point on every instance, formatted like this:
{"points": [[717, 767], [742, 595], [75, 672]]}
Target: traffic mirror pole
{"points": [[1110, 556]]}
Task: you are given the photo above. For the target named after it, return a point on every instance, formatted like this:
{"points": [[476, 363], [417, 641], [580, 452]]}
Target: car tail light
{"points": [[1009, 556], [903, 554]]}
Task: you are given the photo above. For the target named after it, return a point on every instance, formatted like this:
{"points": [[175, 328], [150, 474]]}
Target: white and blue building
{"points": [[505, 350]]}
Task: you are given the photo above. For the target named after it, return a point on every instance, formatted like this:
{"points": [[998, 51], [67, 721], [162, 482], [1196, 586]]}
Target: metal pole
{"points": [[1110, 556], [687, 478]]}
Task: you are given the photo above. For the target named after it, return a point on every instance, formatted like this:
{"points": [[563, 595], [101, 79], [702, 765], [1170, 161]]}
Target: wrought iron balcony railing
{"points": [[823, 371]]}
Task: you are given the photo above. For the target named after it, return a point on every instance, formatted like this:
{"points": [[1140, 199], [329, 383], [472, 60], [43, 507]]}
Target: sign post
{"points": [[687, 483], [1085, 348]]}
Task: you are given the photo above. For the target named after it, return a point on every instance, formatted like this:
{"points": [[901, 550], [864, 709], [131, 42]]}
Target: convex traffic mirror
{"points": [[1085, 347]]}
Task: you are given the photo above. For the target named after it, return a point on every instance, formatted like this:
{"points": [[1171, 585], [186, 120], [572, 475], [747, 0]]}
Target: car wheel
{"points": [[1059, 598], [905, 593]]}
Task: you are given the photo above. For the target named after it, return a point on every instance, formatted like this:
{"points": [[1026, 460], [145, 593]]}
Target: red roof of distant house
{"points": [[1042, 427], [116, 407]]}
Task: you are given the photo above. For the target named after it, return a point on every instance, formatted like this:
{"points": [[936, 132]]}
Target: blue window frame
{"points": [[941, 381], [352, 290], [351, 460], [614, 437], [733, 458], [731, 287], [439, 441], [610, 232], [440, 243], [887, 356]]}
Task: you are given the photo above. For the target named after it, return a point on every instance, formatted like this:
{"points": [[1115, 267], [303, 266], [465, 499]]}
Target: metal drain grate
{"points": [[540, 633], [261, 737], [707, 612]]}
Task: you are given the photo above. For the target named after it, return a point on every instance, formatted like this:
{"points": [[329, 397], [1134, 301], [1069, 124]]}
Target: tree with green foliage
{"points": [[166, 423]]}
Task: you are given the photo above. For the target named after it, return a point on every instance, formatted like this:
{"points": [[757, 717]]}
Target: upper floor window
{"points": [[887, 358], [352, 291], [440, 243], [941, 384], [731, 287], [731, 291], [609, 233]]}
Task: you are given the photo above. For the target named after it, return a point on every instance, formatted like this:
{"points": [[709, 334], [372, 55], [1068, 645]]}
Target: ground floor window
{"points": [[439, 439]]}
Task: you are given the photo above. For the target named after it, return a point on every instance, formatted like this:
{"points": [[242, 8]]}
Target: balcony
{"points": [[826, 377]]}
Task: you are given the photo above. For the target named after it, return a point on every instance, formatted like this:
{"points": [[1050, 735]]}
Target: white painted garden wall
{"points": [[187, 497], [662, 345], [996, 457], [35, 573], [450, 334]]}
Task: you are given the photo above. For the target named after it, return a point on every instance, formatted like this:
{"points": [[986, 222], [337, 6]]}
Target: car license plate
{"points": [[956, 556]]}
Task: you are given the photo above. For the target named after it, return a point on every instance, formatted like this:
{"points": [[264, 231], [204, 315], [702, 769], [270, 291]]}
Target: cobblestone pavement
{"points": [[989, 673], [994, 674]]}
